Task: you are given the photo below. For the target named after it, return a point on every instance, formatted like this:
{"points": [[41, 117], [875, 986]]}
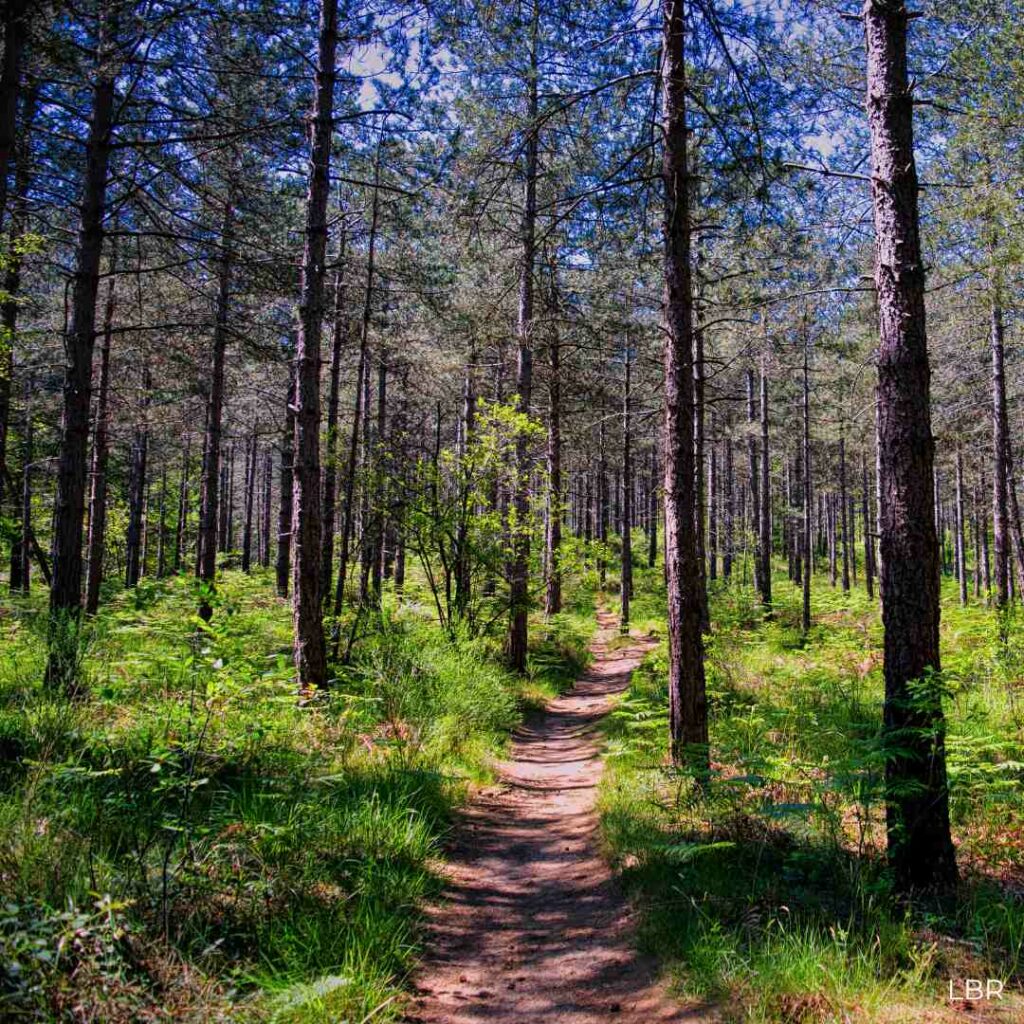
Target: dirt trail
{"points": [[535, 928]]}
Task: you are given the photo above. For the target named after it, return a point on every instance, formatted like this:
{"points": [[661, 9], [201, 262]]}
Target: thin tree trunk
{"points": [[26, 539], [730, 509], [917, 798], [348, 523], [206, 560], [161, 536], [766, 494], [137, 490], [96, 540], [519, 570], [268, 477], [713, 512], [66, 587], [309, 645], [961, 551], [1000, 432], [283, 564], [330, 469], [652, 513], [553, 538], [19, 221], [181, 530], [250, 491], [686, 684], [626, 573], [753, 484], [869, 543], [698, 460], [808, 496], [15, 39], [844, 535]]}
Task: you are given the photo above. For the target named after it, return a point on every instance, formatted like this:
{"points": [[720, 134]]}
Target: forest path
{"points": [[535, 927]]}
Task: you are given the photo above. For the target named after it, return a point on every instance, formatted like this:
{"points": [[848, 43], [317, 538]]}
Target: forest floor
{"points": [[534, 925]]}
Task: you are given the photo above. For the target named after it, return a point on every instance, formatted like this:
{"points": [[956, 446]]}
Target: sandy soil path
{"points": [[535, 928]]}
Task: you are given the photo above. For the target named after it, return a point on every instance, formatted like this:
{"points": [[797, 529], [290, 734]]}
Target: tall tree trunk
{"points": [[808, 496], [12, 272], [869, 543], [223, 489], [961, 551], [96, 540], [283, 563], [15, 38], [66, 586], [687, 697], [753, 484], [844, 535], [602, 499], [181, 530], [161, 537], [310, 648], [24, 545], [250, 491], [553, 538], [765, 518], [463, 579], [330, 470], [917, 799], [713, 512], [730, 509], [265, 502], [519, 570], [137, 490], [1000, 433], [378, 514], [348, 523], [652, 513], [209, 498], [626, 573], [698, 457]]}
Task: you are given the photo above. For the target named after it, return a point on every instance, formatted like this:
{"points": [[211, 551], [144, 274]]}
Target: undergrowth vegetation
{"points": [[190, 842], [771, 898]]}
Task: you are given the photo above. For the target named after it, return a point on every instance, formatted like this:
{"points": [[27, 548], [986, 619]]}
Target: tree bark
{"points": [[917, 799], [808, 495], [961, 551], [753, 484], [330, 470], [250, 493], [843, 504], [553, 538], [730, 510], [309, 645], [181, 530], [1000, 433], [283, 564], [134, 560], [519, 570], [765, 519], [66, 587], [96, 538], [626, 572], [686, 683], [869, 542], [15, 37], [348, 523], [209, 497], [12, 273]]}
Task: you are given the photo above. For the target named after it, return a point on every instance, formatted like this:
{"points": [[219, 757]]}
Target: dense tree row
{"points": [[490, 292]]}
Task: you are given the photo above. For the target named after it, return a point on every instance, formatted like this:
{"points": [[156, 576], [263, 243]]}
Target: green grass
{"points": [[771, 898], [191, 843]]}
